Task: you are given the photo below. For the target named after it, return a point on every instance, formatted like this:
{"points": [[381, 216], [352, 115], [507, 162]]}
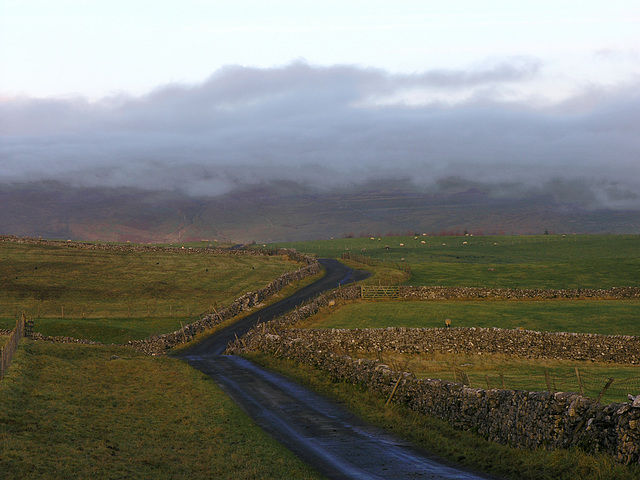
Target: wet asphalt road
{"points": [[317, 430]]}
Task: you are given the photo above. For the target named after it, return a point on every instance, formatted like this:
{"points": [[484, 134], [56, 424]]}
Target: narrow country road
{"points": [[317, 430]]}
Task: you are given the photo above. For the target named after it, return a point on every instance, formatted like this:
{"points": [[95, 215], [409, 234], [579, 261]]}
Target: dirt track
{"points": [[319, 431]]}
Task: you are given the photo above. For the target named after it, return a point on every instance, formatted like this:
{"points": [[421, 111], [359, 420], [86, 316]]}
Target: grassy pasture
{"points": [[496, 371], [69, 411], [114, 296], [537, 261], [605, 317], [544, 261]]}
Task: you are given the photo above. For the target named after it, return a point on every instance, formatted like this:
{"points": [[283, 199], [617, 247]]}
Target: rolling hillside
{"points": [[287, 212]]}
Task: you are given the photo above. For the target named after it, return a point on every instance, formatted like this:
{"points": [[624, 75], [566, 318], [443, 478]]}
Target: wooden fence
{"points": [[375, 292], [9, 348]]}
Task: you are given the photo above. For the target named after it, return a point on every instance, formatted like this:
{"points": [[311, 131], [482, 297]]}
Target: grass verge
{"points": [[465, 448], [69, 411]]}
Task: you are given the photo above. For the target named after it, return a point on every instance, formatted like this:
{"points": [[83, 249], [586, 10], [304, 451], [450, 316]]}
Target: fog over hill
{"points": [[287, 212], [324, 143]]}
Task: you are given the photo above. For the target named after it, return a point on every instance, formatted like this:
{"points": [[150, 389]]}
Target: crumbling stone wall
{"points": [[512, 417]]}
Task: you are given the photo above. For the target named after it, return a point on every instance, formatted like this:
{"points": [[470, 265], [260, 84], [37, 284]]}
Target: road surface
{"points": [[317, 430]]}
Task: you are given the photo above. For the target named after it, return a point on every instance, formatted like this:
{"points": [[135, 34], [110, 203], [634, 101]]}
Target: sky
{"points": [[204, 97]]}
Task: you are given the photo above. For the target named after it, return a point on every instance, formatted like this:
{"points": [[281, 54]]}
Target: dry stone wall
{"points": [[477, 341], [512, 417], [63, 339], [480, 293], [161, 343], [132, 247]]}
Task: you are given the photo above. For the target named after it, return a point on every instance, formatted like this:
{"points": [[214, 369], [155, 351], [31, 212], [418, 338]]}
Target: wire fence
{"points": [[74, 311], [11, 345], [594, 385]]}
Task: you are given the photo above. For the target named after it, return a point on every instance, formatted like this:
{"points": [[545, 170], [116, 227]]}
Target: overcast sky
{"points": [[204, 96]]}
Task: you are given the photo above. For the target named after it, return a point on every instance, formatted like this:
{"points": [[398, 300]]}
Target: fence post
{"points": [[395, 387], [606, 387], [580, 381], [546, 377], [6, 353]]}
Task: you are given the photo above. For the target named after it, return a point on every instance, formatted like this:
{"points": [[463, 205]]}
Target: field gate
{"points": [[370, 292]]}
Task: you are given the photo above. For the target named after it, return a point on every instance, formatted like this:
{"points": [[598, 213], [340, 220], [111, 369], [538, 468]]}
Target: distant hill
{"points": [[287, 212]]}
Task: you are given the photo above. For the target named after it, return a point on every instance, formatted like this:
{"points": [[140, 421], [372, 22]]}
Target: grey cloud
{"points": [[311, 125]]}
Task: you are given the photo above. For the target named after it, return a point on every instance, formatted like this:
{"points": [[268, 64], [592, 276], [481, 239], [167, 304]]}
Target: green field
{"points": [[534, 375], [555, 262], [544, 261], [69, 411], [115, 296], [541, 261], [579, 316], [76, 411], [605, 317]]}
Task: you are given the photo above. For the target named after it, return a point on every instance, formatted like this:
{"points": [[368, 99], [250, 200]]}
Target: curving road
{"points": [[319, 431]]}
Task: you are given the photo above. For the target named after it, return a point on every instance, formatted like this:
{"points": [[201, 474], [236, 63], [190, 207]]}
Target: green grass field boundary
{"points": [[8, 348]]}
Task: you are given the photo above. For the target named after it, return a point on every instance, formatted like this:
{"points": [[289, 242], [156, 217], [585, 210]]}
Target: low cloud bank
{"points": [[333, 128]]}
